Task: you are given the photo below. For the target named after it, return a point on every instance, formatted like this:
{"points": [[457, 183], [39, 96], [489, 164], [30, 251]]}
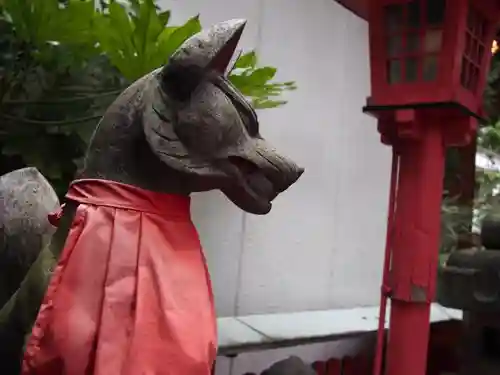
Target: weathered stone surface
{"points": [[490, 232], [26, 198], [470, 280]]}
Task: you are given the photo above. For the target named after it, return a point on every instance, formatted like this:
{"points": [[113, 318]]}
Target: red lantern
{"points": [[429, 60], [430, 53]]}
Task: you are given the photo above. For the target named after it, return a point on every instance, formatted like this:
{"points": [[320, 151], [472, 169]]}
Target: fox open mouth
{"points": [[254, 188], [254, 179]]}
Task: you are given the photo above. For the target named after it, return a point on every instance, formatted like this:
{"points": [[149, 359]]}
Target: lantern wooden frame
{"points": [[461, 59]]}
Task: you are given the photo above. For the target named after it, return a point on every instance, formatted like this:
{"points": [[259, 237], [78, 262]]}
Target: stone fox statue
{"points": [[26, 198], [130, 293]]}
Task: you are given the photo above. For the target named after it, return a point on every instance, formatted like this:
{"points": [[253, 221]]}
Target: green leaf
{"points": [[164, 17], [173, 37], [135, 6], [45, 18], [256, 84], [267, 104], [31, 19], [247, 60], [121, 29], [148, 27], [239, 81], [262, 75], [76, 23], [111, 44]]}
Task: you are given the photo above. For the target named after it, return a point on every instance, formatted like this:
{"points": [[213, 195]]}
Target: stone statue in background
{"points": [[290, 366], [130, 293], [26, 199]]}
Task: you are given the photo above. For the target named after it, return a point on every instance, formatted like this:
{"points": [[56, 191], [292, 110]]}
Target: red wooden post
{"points": [[415, 255], [429, 60]]}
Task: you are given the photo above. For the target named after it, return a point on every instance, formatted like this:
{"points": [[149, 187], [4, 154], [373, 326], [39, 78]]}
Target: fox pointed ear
{"points": [[231, 66], [209, 50]]}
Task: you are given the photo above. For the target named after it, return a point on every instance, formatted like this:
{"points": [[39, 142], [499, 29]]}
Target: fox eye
{"points": [[246, 111]]}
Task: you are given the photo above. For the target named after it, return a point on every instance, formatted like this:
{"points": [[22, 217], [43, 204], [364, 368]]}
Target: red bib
{"points": [[131, 293]]}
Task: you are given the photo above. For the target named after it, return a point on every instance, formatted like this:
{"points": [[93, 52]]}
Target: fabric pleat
{"points": [[130, 294]]}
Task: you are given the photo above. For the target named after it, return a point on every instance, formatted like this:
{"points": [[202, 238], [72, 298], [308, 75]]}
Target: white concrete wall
{"points": [[322, 245]]}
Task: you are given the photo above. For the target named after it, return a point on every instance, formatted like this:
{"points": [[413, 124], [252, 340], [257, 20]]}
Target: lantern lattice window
{"points": [[414, 36], [474, 51]]}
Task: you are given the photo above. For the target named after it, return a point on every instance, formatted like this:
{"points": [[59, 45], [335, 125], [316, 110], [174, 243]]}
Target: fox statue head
{"points": [[185, 128]]}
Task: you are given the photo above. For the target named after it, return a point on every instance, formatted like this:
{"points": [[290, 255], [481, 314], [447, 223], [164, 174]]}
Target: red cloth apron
{"points": [[131, 293]]}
